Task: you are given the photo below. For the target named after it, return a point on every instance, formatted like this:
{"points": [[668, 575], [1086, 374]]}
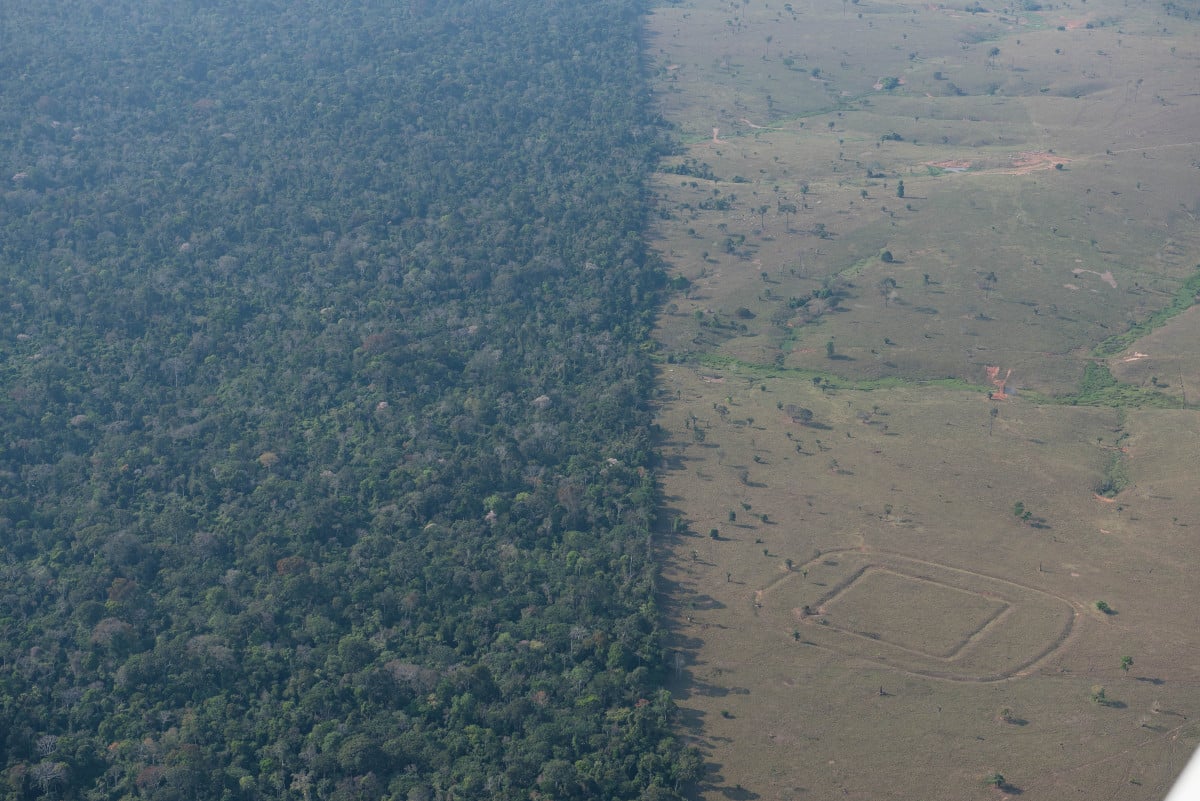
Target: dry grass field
{"points": [[910, 543]]}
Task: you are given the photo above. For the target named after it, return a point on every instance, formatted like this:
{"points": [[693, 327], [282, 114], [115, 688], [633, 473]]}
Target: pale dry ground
{"points": [[950, 487], [895, 507]]}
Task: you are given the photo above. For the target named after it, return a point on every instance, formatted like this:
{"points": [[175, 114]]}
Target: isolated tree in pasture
{"points": [[996, 780], [887, 288], [799, 414], [787, 210]]}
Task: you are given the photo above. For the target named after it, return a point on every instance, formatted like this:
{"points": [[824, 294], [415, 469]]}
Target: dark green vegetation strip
{"points": [[1183, 300], [322, 433], [828, 380], [1116, 477], [1100, 388], [1097, 388]]}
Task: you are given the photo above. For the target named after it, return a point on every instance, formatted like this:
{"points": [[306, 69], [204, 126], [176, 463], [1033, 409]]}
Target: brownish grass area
{"points": [[901, 598]]}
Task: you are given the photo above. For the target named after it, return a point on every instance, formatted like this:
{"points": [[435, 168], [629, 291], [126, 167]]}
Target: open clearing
{"points": [[891, 523], [938, 622]]}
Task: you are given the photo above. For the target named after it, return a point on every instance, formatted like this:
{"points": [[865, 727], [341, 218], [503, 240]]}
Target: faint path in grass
{"points": [[1053, 776], [1025, 669]]}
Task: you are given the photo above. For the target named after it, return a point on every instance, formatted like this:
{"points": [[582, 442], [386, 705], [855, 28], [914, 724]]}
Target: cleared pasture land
{"points": [[938, 622], [900, 598], [1166, 360]]}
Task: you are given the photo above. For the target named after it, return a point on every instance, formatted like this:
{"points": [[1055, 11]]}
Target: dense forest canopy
{"points": [[324, 442]]}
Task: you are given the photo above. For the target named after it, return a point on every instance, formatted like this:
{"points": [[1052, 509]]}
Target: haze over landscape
{"points": [[723, 399]]}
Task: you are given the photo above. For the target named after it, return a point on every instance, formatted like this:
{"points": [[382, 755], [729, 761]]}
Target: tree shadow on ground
{"points": [[714, 782]]}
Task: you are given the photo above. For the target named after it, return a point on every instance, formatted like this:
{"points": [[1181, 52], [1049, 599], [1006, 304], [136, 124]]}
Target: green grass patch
{"points": [[832, 381], [1033, 22], [857, 267], [1100, 388]]}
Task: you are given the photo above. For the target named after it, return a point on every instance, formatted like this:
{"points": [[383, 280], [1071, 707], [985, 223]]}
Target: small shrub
{"points": [[996, 780]]}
